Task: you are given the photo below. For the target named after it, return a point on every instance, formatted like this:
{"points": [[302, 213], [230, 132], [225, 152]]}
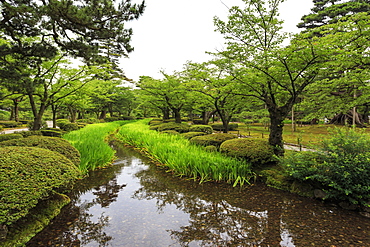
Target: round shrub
{"points": [[1, 128], [30, 133], [179, 127], [152, 122], [212, 139], [220, 127], [10, 124], [256, 151], [53, 132], [211, 149], [61, 122], [201, 128], [189, 135], [30, 174], [198, 121], [69, 127], [170, 132], [6, 137], [52, 143], [111, 119]]}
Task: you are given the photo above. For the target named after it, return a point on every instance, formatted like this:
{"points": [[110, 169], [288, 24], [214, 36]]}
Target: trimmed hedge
{"points": [[201, 128], [171, 132], [53, 132], [256, 151], [29, 133], [189, 135], [6, 137], [179, 127], [220, 127], [52, 143], [212, 139], [10, 124], [28, 175]]}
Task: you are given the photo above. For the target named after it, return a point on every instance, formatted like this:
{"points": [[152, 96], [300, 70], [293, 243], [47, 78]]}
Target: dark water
{"points": [[134, 203]]}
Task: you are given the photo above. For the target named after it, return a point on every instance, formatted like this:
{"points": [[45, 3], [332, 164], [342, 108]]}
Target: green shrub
{"points": [[10, 124], [30, 174], [88, 121], [340, 167], [30, 133], [210, 148], [212, 139], [61, 122], [201, 128], [6, 137], [1, 128], [111, 119], [256, 151], [152, 123], [198, 121], [171, 132], [52, 143], [181, 128], [69, 126], [189, 135], [126, 118], [220, 127], [53, 132]]}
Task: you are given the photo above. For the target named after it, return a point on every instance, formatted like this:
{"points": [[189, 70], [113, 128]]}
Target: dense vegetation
{"points": [[28, 175], [184, 159]]}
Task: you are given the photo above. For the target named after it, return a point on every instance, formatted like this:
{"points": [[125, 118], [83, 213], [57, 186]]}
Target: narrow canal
{"points": [[134, 203]]}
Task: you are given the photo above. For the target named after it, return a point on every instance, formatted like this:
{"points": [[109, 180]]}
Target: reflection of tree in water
{"points": [[108, 193], [79, 227], [213, 221]]}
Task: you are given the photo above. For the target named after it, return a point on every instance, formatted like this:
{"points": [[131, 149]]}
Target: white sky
{"points": [[172, 32]]}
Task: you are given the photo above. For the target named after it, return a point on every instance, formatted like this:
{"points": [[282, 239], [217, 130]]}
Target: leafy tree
{"points": [[168, 94], [217, 85], [263, 69], [330, 11]]}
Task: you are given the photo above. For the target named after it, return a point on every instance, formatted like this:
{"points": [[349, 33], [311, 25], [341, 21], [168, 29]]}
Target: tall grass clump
{"points": [[90, 141], [183, 158]]}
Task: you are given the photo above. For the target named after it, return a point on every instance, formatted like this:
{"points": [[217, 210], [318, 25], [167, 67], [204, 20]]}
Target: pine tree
{"points": [[330, 11]]}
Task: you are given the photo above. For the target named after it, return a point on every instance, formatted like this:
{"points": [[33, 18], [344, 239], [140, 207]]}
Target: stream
{"points": [[135, 203]]}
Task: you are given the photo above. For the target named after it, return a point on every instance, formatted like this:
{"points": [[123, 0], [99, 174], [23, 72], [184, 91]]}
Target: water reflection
{"points": [[134, 204]]}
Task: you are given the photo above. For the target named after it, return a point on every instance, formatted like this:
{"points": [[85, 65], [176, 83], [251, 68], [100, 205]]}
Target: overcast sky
{"points": [[172, 32]]}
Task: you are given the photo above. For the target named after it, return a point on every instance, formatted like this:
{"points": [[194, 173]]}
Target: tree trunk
{"points": [[206, 116], [103, 114], [54, 111], [277, 116], [166, 113], [177, 114]]}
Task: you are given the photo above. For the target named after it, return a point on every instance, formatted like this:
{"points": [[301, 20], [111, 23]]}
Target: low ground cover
{"points": [[183, 158]]}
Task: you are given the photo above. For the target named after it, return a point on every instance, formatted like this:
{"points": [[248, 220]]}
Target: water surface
{"points": [[135, 203]]}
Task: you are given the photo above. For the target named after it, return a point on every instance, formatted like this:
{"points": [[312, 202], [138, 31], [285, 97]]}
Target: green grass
{"points": [[183, 158], [90, 141], [306, 135]]}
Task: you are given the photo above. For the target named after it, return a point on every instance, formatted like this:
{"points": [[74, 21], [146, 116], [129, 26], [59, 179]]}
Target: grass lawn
{"points": [[306, 135]]}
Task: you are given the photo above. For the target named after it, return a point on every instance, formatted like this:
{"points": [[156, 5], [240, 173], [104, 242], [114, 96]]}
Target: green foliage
{"points": [[220, 127], [70, 126], [1, 128], [52, 143], [88, 121], [179, 127], [171, 132], [62, 122], [10, 124], [31, 123], [111, 119], [183, 158], [210, 149], [189, 135], [341, 167], [155, 122], [6, 137], [27, 175], [201, 128], [256, 151], [90, 142], [30, 133], [212, 139], [53, 132]]}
